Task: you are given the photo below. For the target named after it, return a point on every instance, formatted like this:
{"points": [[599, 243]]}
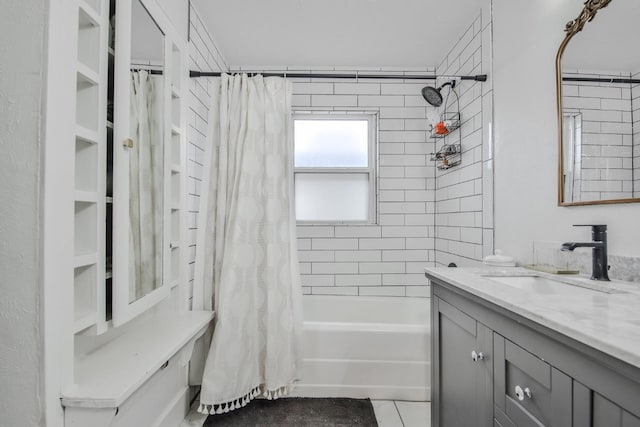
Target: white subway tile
{"points": [[358, 231], [393, 291], [390, 219], [342, 290], [405, 231], [334, 244], [359, 280], [402, 208], [380, 101], [357, 88], [386, 243], [403, 279], [316, 256], [314, 231], [318, 280], [334, 100], [381, 267], [406, 255], [391, 148], [358, 256], [334, 268]]}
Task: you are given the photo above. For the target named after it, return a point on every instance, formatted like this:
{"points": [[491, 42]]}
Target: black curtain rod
{"points": [[477, 78], [600, 80]]}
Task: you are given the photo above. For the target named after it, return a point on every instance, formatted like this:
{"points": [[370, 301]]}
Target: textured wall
{"points": [[21, 82]]}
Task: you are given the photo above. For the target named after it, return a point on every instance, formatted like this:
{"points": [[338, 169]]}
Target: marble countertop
{"points": [[608, 321]]}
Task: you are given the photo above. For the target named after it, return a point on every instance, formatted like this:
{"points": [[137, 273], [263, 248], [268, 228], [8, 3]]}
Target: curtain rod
{"points": [[600, 80], [477, 78]]}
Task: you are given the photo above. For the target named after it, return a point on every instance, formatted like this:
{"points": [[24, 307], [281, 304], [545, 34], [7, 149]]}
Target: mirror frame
{"points": [[589, 11], [123, 309]]}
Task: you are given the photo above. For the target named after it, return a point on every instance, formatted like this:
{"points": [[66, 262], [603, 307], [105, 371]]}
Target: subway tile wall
{"points": [[464, 194], [424, 216], [386, 258], [606, 167], [203, 56], [635, 94]]}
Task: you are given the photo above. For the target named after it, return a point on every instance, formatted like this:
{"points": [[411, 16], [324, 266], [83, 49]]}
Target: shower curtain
{"points": [[246, 261], [145, 185]]}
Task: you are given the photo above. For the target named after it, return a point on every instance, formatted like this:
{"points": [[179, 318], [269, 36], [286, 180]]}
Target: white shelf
{"points": [[84, 321], [90, 11], [87, 135], [107, 377], [84, 260], [86, 196], [87, 75]]}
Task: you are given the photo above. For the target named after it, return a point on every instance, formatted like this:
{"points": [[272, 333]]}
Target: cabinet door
{"points": [[463, 369], [528, 391], [591, 409]]}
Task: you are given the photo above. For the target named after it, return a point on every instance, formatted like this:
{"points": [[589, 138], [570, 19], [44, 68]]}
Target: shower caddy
{"points": [[449, 155]]}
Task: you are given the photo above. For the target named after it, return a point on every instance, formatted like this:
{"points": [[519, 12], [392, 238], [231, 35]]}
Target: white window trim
{"points": [[371, 170]]}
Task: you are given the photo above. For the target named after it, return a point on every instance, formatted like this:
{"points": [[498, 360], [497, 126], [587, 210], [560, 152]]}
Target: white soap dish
{"points": [[499, 259]]}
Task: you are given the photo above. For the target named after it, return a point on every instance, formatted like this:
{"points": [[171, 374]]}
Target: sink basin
{"points": [[543, 285]]}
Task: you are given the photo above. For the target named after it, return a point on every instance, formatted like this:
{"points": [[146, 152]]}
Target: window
{"points": [[334, 167]]}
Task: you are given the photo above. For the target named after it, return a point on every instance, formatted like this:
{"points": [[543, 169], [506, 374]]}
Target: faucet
{"points": [[599, 254]]}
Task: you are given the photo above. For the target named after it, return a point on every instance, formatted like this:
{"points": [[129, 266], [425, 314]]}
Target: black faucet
{"points": [[599, 253]]}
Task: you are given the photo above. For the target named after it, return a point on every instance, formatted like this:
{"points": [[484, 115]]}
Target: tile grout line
{"points": [[398, 412]]}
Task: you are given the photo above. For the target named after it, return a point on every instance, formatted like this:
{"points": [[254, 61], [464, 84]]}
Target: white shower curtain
{"points": [[246, 262], [145, 185]]}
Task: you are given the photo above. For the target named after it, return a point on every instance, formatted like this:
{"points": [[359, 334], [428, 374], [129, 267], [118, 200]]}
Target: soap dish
{"points": [[499, 260], [550, 269]]}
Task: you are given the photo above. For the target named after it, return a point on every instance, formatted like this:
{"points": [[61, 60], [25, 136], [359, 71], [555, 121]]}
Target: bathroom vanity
{"points": [[512, 347]]}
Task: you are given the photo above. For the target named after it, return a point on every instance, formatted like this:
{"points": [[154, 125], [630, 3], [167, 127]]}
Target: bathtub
{"points": [[359, 347]]}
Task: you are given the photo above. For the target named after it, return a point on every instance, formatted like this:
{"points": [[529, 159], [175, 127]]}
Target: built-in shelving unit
{"points": [[177, 156], [89, 179]]}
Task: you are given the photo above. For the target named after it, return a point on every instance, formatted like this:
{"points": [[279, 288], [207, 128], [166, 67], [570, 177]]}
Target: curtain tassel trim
{"points": [[259, 391]]}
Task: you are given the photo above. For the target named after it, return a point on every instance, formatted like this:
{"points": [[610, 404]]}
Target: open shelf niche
{"points": [[90, 150]]}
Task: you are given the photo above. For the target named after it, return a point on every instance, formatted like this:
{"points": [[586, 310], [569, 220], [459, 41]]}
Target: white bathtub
{"points": [[375, 347]]}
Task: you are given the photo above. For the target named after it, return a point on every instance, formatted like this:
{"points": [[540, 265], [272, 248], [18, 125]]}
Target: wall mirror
{"points": [[140, 201], [598, 87]]}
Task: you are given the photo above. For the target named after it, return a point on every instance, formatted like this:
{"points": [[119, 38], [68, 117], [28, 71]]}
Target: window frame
{"points": [[372, 118]]}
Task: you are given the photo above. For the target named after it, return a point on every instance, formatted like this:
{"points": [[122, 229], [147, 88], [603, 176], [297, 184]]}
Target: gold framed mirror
{"points": [[598, 101]]}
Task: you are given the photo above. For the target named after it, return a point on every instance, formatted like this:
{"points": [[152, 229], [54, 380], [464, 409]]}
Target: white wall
{"points": [[22, 29], [526, 38]]}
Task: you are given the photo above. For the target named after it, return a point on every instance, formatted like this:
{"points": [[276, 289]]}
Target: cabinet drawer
{"points": [[528, 391]]}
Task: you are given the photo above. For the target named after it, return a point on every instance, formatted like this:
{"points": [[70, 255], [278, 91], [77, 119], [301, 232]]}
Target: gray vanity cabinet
{"points": [[527, 390], [527, 375], [464, 386]]}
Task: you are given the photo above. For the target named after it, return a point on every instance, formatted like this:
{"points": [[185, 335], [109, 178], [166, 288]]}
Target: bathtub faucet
{"points": [[599, 264]]}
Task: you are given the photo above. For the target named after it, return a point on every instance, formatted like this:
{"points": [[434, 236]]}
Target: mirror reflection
{"points": [[146, 157], [600, 134]]}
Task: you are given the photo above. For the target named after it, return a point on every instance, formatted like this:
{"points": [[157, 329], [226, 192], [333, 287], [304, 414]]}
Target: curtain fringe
{"points": [[259, 391]]}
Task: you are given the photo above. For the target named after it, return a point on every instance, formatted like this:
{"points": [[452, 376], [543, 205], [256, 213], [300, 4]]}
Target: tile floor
{"points": [[389, 413], [397, 413]]}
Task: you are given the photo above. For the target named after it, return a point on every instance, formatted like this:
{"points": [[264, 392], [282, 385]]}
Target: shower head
{"points": [[433, 95]]}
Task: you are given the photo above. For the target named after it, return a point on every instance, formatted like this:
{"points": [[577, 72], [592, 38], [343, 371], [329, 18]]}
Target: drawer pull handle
{"points": [[475, 356], [520, 393]]}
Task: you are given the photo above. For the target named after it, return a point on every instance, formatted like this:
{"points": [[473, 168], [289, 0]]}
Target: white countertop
{"points": [[609, 322]]}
